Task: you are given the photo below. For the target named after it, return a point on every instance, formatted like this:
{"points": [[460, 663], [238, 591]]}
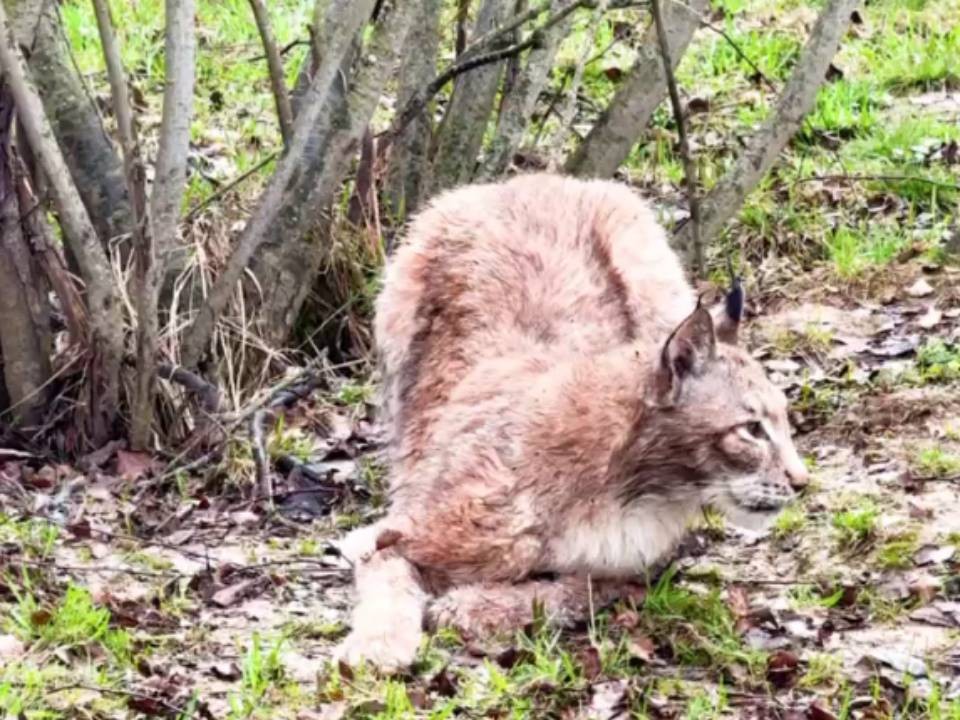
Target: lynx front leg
{"points": [[387, 622], [483, 609]]}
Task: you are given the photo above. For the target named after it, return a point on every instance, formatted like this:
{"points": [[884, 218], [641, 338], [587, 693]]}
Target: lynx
{"points": [[559, 408]]}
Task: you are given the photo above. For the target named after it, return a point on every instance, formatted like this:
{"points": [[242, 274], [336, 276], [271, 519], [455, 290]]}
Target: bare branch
{"points": [[459, 137], [689, 170], [275, 67], [102, 296], [622, 122], [330, 138], [476, 55], [520, 101], [764, 146], [159, 236]]}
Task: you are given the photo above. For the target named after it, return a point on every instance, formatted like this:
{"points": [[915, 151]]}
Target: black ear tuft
{"points": [[735, 300]]}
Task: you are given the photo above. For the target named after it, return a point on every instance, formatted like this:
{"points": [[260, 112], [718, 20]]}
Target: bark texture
{"points": [[616, 131], [408, 155], [102, 298], [461, 131], [764, 146], [307, 178], [90, 156], [521, 99], [275, 67], [24, 320]]}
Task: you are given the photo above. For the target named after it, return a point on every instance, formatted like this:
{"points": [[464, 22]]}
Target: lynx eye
{"points": [[756, 430]]}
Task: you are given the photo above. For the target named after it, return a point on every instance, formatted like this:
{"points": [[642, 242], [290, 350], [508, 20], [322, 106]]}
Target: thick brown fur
{"points": [[556, 402]]}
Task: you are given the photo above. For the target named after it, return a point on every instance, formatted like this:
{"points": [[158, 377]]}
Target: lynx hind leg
{"points": [[484, 609], [387, 620]]}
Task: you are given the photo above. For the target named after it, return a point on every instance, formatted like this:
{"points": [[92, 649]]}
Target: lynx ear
{"points": [[688, 350], [730, 314]]}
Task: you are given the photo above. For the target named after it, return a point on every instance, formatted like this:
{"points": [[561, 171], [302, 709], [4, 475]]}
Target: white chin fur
{"points": [[754, 521]]}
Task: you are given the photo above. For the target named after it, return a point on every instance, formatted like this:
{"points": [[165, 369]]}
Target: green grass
{"points": [[790, 521], [857, 524], [897, 552], [235, 124], [935, 462]]}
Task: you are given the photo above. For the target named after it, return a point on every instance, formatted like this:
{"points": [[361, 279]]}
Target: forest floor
{"points": [[130, 589]]}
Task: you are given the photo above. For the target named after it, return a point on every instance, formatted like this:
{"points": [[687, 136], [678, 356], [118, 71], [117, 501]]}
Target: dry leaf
{"points": [[132, 466], [921, 288]]}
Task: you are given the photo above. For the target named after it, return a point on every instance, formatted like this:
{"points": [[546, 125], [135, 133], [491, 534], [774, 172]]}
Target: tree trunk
{"points": [[464, 124], [521, 100], [764, 146], [24, 319], [408, 155], [103, 300], [617, 129], [287, 265], [90, 155], [278, 236]]}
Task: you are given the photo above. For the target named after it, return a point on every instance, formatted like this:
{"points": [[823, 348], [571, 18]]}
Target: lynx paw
{"points": [[476, 613], [389, 652]]}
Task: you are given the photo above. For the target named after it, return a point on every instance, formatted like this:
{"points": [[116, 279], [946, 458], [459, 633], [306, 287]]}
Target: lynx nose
{"points": [[798, 476]]}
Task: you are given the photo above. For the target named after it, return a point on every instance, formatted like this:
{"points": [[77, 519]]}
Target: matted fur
{"points": [[557, 403]]}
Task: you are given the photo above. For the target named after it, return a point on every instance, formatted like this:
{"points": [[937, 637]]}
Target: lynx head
{"points": [[737, 446]]}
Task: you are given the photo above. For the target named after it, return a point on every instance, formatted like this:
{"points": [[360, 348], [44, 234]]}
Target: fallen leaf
{"points": [[930, 319], [230, 595], [819, 711], [641, 647], [608, 700], [590, 661], [132, 466], [921, 288], [10, 648], [443, 683], [226, 671], [627, 619], [934, 554], [899, 661], [782, 668]]}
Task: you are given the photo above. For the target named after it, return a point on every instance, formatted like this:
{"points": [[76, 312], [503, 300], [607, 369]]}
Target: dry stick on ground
{"points": [[103, 299], [764, 146], [275, 67], [689, 169]]}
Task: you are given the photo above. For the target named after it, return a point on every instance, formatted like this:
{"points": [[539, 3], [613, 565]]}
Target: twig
{"points": [[689, 170], [877, 178], [208, 393], [275, 67], [213, 197], [472, 57]]}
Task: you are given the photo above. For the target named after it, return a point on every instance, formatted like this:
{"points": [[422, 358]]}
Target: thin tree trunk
{"points": [[618, 128], [287, 265], [88, 151], [520, 102], [464, 124], [157, 236], [102, 297], [764, 146], [275, 67], [408, 154], [284, 209], [24, 316]]}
